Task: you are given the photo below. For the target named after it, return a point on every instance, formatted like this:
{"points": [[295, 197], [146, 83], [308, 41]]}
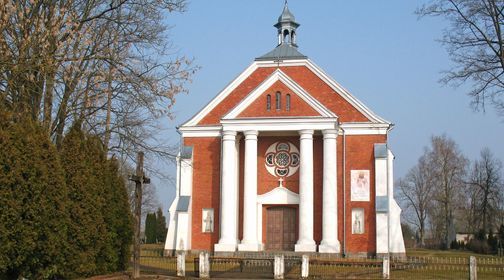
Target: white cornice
{"points": [[286, 124], [278, 75], [364, 128], [200, 131], [280, 124]]}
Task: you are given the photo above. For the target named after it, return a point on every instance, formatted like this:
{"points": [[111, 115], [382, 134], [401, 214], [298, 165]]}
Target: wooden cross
{"points": [[139, 179]]}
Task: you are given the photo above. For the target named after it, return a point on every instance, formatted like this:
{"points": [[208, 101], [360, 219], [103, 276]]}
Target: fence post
{"points": [[279, 267], [181, 263], [386, 267], [305, 266], [204, 265], [473, 274]]}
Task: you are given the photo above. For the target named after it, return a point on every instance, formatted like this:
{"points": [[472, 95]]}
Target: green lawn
{"points": [[415, 252]]}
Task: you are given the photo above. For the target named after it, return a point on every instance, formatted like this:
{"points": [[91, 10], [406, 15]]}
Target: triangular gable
{"points": [[294, 88], [259, 70], [297, 107]]}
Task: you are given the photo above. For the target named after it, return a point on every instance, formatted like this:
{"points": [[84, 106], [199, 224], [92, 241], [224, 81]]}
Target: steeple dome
{"points": [[286, 26], [287, 46]]}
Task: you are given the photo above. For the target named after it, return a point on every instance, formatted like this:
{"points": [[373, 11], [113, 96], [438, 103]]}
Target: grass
{"points": [[417, 252], [432, 264]]}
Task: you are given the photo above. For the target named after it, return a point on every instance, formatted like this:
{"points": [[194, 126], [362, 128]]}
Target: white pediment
{"points": [[278, 195], [222, 95], [276, 76]]}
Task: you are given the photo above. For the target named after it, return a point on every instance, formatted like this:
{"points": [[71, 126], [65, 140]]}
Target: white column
{"points": [[249, 242], [330, 242], [306, 242], [229, 190]]}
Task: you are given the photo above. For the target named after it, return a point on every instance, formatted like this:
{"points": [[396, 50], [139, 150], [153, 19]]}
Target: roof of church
{"points": [[286, 15], [281, 52]]}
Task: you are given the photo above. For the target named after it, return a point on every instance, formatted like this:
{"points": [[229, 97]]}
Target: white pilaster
{"points": [[330, 242], [306, 242], [229, 191], [249, 242]]}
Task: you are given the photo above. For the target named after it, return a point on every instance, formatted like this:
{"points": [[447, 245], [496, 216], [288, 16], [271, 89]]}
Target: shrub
{"points": [[33, 208]]}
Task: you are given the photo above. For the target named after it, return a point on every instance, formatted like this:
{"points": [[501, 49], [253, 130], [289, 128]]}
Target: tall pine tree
{"points": [[150, 228], [33, 209], [118, 218], [87, 230], [160, 226]]}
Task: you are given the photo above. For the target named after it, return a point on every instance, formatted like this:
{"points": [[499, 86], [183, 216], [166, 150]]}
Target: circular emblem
{"points": [[282, 159]]}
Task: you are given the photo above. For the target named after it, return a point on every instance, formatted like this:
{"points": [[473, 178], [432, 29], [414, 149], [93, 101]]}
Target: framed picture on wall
{"points": [[359, 185]]}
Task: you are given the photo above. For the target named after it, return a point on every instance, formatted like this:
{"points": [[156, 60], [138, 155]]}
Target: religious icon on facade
{"points": [[357, 220], [208, 220], [359, 185]]}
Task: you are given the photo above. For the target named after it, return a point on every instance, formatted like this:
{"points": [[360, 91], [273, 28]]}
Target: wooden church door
{"points": [[281, 228]]}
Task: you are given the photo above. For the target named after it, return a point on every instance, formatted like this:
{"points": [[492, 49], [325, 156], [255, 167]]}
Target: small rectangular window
{"points": [[287, 103], [268, 102], [278, 100]]}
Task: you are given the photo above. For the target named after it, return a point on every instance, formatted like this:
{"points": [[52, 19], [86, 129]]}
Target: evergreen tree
{"points": [[150, 228], [118, 218], [83, 166], [160, 226], [501, 233], [33, 210]]}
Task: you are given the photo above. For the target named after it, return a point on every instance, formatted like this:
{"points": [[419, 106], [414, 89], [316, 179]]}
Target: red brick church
{"points": [[285, 159]]}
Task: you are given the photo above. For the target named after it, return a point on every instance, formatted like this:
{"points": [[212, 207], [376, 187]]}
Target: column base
{"points": [[305, 248], [333, 247], [225, 247], [249, 247]]}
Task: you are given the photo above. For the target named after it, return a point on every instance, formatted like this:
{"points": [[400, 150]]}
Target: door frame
{"points": [[266, 207], [277, 197]]}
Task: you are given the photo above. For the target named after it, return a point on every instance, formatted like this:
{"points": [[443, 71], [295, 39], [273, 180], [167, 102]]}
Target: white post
{"points": [[204, 265], [473, 272], [249, 241], [386, 267], [330, 242], [181, 264], [279, 267], [305, 266], [229, 192], [306, 242]]}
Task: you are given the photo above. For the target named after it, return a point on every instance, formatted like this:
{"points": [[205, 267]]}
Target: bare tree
{"points": [[448, 166], [106, 63], [416, 190], [486, 188], [474, 42]]}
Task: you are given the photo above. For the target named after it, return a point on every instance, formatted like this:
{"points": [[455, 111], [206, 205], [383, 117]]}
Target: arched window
{"points": [[286, 37], [268, 102], [277, 100], [287, 103]]}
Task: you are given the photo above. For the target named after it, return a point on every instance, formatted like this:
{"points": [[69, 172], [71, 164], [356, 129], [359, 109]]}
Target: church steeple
{"points": [[286, 26], [287, 46]]}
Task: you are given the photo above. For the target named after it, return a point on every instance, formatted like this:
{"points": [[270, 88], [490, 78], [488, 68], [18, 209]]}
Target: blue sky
{"points": [[379, 50]]}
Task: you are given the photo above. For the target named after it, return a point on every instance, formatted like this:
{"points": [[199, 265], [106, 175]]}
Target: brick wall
{"points": [[301, 75]]}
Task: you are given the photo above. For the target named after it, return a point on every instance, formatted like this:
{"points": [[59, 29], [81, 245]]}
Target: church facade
{"points": [[285, 159]]}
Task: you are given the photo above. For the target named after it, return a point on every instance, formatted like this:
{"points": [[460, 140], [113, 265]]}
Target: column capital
{"points": [[306, 133], [251, 134], [229, 135], [330, 133]]}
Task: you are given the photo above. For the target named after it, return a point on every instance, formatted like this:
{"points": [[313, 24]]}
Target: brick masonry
{"points": [[359, 155]]}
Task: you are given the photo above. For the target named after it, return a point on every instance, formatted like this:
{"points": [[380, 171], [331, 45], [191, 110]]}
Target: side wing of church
{"points": [[285, 159]]}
